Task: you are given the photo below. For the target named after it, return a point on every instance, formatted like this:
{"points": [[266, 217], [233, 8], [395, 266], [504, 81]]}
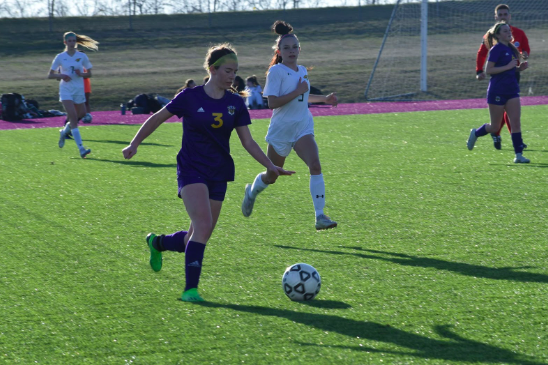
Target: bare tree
{"points": [[260, 4], [189, 6], [216, 5], [282, 4], [51, 8], [22, 8], [156, 6], [233, 5], [61, 9], [311, 3]]}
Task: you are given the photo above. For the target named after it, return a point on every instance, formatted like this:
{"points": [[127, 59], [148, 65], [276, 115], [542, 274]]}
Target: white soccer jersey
{"points": [[288, 122], [69, 64]]}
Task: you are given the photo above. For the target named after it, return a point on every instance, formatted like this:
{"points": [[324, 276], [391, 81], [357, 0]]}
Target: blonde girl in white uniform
{"points": [[291, 126], [71, 86]]}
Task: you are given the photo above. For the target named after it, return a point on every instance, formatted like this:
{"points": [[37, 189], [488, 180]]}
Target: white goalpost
{"points": [[424, 44], [429, 49]]}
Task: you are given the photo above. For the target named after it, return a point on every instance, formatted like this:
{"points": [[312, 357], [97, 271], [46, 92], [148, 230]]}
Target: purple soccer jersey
{"points": [[207, 126], [503, 83]]}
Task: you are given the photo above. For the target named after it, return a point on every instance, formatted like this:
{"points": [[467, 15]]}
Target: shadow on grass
{"points": [[134, 163], [532, 164], [502, 273], [452, 348], [126, 143], [23, 121], [326, 304]]}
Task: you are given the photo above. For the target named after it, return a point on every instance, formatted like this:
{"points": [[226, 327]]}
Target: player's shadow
{"points": [[537, 165], [126, 143], [24, 121], [326, 304], [524, 165], [134, 163], [496, 273], [452, 347]]}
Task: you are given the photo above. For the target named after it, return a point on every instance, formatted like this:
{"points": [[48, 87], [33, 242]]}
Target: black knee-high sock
{"points": [[517, 142], [194, 255]]}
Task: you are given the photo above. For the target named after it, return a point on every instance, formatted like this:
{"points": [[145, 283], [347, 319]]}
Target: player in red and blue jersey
{"points": [[204, 166], [502, 13], [503, 91]]}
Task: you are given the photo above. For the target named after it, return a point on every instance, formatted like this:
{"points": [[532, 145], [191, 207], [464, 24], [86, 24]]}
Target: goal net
{"points": [[455, 30]]}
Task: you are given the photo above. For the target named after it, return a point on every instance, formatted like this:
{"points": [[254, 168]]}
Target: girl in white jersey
{"points": [[291, 126], [71, 86]]}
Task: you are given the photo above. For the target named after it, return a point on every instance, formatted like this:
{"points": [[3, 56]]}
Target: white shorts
{"points": [[284, 148], [76, 98]]}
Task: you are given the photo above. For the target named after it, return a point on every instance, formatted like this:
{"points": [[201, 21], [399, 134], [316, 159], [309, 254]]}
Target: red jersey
{"points": [[520, 41]]}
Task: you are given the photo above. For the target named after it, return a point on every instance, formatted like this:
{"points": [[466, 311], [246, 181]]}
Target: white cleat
{"points": [[472, 139], [324, 222], [247, 204], [62, 138], [520, 159]]}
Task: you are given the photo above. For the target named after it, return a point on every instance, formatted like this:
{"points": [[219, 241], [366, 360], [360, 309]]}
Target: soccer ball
{"points": [[301, 282], [87, 118]]}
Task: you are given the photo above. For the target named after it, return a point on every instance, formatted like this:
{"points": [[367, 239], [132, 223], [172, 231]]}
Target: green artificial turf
{"points": [[439, 256]]}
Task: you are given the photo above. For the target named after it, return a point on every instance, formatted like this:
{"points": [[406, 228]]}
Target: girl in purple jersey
{"points": [[210, 112], [503, 90]]}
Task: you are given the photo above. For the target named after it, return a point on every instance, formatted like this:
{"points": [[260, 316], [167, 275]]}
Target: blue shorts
{"points": [[500, 99], [217, 189]]}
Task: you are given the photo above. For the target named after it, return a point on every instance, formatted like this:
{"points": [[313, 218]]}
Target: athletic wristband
{"points": [[479, 72]]}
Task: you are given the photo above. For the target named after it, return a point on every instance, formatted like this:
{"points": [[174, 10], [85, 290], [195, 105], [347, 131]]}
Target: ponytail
{"points": [[283, 30], [83, 40], [490, 38]]}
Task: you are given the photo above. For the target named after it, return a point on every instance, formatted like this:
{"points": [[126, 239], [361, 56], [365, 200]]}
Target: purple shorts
{"points": [[217, 189], [500, 99]]}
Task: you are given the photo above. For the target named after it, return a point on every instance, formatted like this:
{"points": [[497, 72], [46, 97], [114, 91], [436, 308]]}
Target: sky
{"points": [[26, 8]]}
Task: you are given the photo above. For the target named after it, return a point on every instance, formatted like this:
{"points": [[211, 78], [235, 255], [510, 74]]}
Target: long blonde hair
{"points": [[490, 38], [83, 40]]}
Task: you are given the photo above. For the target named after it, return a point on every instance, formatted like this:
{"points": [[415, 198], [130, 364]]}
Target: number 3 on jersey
{"points": [[219, 119]]}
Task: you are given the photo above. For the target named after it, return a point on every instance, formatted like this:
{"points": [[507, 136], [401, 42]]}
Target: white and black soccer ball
{"points": [[87, 118], [301, 282]]}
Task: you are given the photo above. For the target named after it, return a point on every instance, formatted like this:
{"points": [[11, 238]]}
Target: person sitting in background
{"points": [[238, 84], [189, 84], [254, 91]]}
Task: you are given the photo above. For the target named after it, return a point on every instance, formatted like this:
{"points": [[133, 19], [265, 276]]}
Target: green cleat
{"points": [[155, 255], [191, 295]]}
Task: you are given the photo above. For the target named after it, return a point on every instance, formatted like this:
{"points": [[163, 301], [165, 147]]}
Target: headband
{"points": [[285, 35], [497, 27], [231, 57]]}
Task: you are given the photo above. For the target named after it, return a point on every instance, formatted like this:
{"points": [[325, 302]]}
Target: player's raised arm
{"points": [[279, 101], [330, 99], [257, 153], [146, 130]]}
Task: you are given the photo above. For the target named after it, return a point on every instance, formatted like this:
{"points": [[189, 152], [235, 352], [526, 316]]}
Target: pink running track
{"points": [[115, 117]]}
